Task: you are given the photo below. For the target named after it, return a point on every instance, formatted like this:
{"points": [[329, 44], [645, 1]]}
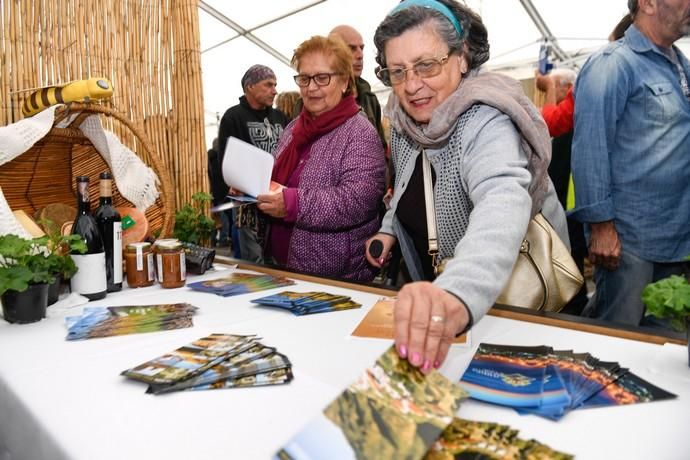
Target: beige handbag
{"points": [[545, 276]]}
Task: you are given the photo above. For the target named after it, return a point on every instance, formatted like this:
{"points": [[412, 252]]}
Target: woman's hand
{"points": [[388, 241], [273, 203], [427, 318]]}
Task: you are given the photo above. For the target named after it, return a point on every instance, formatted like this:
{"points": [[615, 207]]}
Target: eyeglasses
{"points": [[321, 79], [425, 68]]}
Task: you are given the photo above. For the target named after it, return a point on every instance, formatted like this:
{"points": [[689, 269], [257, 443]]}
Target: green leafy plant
{"points": [[61, 246], [23, 262], [669, 298], [192, 225]]}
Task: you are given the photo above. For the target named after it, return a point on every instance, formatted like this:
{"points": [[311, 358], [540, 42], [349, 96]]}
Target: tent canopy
{"points": [[516, 28]]}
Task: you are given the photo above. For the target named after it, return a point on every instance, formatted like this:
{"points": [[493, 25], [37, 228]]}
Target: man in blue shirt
{"points": [[631, 158]]}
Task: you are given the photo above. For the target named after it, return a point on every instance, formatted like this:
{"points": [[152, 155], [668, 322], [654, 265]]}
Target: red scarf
{"points": [[306, 130]]}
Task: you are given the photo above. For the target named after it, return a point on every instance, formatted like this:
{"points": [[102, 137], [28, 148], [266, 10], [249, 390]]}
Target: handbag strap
{"points": [[430, 212]]}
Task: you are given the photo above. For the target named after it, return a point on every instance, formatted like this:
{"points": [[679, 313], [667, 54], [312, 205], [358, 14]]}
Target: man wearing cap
{"points": [[631, 159], [255, 121]]}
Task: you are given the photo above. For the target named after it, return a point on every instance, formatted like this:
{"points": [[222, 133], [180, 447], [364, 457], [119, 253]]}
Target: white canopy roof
{"points": [[577, 28]]}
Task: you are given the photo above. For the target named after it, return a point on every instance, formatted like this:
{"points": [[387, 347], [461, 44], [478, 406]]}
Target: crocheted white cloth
{"points": [[135, 181]]}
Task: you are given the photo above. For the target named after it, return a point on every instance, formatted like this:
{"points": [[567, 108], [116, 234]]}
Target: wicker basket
{"points": [[45, 173]]}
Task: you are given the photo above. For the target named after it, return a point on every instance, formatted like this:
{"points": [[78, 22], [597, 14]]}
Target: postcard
{"points": [[190, 360], [392, 411], [240, 283], [131, 319]]}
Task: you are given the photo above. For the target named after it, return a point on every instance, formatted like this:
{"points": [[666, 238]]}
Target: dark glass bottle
{"points": [[90, 279], [110, 227]]}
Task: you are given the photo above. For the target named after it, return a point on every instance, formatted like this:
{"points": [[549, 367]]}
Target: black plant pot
{"points": [[54, 290], [27, 306]]}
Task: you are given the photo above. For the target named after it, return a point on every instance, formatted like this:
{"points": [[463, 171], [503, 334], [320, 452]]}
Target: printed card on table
{"points": [[392, 411], [240, 283], [378, 323]]}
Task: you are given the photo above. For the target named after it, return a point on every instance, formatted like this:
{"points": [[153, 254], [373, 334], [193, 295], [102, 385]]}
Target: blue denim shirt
{"points": [[631, 147]]}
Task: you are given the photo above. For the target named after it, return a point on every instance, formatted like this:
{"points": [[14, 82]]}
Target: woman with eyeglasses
{"points": [[330, 165], [486, 150]]}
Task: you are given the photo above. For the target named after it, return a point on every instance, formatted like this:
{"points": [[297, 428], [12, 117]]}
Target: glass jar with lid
{"points": [[139, 265], [170, 262]]}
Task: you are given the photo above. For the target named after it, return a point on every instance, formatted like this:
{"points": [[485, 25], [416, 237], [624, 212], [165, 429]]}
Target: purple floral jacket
{"points": [[338, 198]]}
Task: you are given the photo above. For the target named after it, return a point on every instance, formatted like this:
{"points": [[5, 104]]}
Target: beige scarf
{"points": [[500, 92]]}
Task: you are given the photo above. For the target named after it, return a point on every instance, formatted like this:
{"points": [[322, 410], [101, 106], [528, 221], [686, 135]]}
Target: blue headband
{"points": [[434, 5]]}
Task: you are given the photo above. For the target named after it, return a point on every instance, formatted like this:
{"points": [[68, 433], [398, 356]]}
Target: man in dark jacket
{"points": [[365, 98], [255, 121]]}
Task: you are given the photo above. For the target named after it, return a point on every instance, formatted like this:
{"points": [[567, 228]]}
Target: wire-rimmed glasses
{"points": [[426, 68]]}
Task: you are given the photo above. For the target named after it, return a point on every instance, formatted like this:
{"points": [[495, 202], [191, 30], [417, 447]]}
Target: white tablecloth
{"points": [[66, 400]]}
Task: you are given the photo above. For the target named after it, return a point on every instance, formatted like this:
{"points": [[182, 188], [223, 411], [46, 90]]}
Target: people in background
{"points": [[219, 191], [631, 159], [557, 111], [365, 98], [253, 120], [489, 149], [285, 102], [330, 167]]}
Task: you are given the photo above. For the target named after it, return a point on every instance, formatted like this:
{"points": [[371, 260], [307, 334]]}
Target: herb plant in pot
{"points": [[670, 298], [194, 228], [24, 277]]}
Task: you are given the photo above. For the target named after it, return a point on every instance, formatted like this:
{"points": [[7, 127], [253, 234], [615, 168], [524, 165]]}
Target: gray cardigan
{"points": [[482, 205]]}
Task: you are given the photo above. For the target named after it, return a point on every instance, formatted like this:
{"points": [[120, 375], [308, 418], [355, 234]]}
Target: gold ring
{"points": [[438, 319]]}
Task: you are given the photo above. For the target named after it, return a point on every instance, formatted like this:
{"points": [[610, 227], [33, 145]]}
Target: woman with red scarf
{"points": [[330, 165]]}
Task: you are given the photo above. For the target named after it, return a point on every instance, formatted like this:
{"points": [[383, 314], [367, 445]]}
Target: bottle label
{"points": [[90, 277], [161, 276], [151, 267], [117, 252], [183, 266]]}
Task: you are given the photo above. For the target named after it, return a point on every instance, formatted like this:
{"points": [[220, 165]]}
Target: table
{"points": [[66, 400]]}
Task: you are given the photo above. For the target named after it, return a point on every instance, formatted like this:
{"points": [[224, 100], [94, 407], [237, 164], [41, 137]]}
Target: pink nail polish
{"points": [[437, 364], [381, 261], [427, 365], [402, 351], [416, 359]]}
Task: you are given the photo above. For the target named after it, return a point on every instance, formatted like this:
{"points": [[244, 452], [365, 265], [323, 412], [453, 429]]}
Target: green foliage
{"points": [[669, 298], [192, 225], [61, 246], [24, 262]]}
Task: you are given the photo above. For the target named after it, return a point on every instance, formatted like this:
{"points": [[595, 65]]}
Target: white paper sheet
{"points": [[246, 167]]}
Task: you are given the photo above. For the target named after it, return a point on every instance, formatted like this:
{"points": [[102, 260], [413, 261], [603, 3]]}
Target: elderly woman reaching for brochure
{"points": [[484, 150], [331, 165]]}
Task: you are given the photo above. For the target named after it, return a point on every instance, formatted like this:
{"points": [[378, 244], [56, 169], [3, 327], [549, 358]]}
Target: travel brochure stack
{"points": [[240, 283], [393, 411], [550, 383], [132, 319], [214, 362], [306, 303]]}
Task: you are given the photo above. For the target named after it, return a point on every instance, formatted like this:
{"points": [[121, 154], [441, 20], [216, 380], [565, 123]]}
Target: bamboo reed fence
{"points": [[148, 49]]}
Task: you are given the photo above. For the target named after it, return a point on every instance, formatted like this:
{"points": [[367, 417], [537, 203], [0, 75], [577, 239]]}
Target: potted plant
{"points": [[194, 228], [192, 225], [670, 298], [24, 276], [61, 265]]}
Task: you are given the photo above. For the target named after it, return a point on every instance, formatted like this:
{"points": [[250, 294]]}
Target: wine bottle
{"points": [[90, 279], [110, 227]]}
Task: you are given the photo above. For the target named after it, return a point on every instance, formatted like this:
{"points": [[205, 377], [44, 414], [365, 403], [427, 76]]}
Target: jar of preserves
{"points": [[139, 265], [170, 262]]}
